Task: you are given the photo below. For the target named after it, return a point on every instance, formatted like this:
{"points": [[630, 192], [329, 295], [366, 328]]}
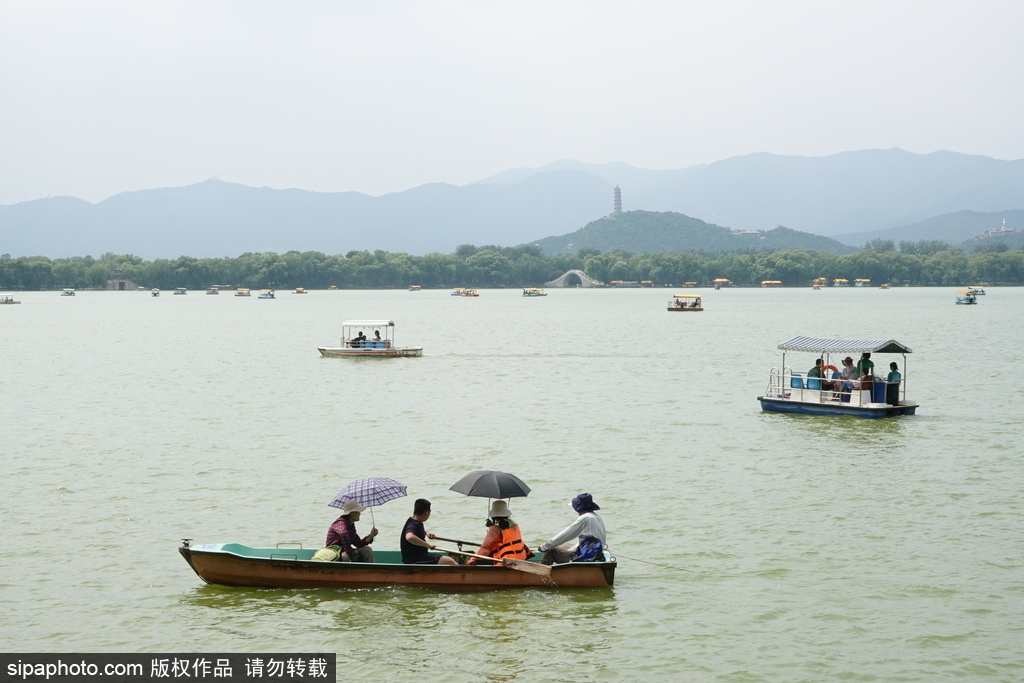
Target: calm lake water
{"points": [[752, 546]]}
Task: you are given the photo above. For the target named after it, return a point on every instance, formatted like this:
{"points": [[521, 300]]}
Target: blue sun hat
{"points": [[584, 503]]}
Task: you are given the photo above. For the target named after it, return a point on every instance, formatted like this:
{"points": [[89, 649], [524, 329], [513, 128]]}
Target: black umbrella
{"points": [[491, 484]]}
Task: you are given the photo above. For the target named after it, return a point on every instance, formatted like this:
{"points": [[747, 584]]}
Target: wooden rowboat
{"points": [[234, 564]]}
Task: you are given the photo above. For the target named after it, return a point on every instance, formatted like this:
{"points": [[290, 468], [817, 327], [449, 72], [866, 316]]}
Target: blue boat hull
{"points": [[781, 405]]}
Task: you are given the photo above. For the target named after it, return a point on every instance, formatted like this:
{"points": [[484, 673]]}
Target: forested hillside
{"points": [[666, 231]]}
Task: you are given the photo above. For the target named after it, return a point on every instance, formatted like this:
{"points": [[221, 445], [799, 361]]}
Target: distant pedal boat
{"points": [[966, 296], [370, 347], [685, 303]]}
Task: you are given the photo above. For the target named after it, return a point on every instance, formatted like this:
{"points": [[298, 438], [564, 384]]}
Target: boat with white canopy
{"points": [[830, 394], [369, 339]]}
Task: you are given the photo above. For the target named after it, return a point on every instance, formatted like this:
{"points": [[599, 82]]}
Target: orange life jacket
{"points": [[509, 544]]}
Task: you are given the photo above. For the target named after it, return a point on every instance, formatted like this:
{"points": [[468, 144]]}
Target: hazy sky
{"points": [[102, 97]]}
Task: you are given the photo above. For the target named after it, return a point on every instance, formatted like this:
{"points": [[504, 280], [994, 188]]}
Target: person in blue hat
{"points": [[589, 531]]}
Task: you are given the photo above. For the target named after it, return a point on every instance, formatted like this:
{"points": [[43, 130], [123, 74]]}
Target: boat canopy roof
{"points": [[819, 345], [687, 296], [369, 323]]}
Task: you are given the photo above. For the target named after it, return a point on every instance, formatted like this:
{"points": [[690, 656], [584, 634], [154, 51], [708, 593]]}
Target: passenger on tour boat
{"points": [[849, 375], [894, 373], [866, 366], [588, 529], [343, 534], [358, 341], [503, 538], [816, 371], [414, 537]]}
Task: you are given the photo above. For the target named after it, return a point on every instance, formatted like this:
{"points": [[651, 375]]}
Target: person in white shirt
{"points": [[587, 529]]}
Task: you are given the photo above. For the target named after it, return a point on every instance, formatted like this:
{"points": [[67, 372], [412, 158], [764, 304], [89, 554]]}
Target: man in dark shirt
{"points": [[414, 542]]}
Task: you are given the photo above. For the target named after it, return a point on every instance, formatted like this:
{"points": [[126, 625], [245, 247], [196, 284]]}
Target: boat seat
{"points": [[892, 393], [813, 383], [796, 381]]}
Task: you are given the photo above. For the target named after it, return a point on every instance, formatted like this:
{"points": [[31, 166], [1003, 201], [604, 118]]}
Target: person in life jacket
{"points": [[503, 538]]}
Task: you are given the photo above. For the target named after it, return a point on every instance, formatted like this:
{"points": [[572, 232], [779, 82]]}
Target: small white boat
{"points": [[792, 392], [976, 290], [966, 296], [300, 290], [213, 291], [68, 292], [243, 291], [533, 291], [180, 291], [685, 303], [378, 343], [414, 288], [458, 291], [8, 299], [154, 292], [267, 294], [469, 292]]}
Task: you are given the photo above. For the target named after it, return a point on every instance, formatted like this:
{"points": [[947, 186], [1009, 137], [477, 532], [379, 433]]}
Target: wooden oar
{"points": [[509, 562], [452, 540]]}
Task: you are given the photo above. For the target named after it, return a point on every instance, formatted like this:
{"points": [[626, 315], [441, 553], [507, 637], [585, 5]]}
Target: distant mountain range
{"points": [[850, 197]]}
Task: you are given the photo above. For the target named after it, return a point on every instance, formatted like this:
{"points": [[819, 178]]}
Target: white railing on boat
{"points": [[794, 386]]}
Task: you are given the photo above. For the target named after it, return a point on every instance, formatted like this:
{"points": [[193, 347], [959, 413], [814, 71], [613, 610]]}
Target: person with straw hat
{"points": [[343, 534], [503, 538]]}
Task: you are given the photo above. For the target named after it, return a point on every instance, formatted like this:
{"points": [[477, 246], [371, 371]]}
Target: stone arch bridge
{"points": [[574, 278]]}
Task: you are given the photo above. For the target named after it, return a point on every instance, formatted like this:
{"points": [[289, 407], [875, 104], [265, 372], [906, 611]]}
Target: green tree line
{"points": [[924, 263]]}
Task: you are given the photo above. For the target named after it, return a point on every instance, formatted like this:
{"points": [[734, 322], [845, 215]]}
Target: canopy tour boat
{"points": [[533, 291], [864, 395]]}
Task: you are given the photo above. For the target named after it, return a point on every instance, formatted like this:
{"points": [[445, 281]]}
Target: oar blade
{"points": [[529, 567]]}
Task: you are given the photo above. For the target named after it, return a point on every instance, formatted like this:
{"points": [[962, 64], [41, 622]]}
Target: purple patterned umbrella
{"points": [[369, 492]]}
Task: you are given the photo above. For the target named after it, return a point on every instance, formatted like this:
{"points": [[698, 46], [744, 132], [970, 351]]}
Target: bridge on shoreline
{"points": [[574, 278]]}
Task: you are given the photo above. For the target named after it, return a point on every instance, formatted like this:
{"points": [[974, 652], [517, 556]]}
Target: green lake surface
{"points": [[752, 546]]}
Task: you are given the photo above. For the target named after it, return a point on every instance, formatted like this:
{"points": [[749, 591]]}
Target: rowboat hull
{"points": [[233, 564], [345, 352]]}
